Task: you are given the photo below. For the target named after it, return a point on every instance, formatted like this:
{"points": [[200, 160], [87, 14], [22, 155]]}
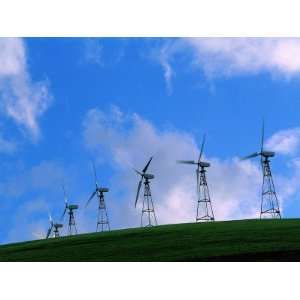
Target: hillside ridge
{"points": [[240, 240]]}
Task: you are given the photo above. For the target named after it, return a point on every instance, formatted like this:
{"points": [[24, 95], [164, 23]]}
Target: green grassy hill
{"points": [[247, 240]]}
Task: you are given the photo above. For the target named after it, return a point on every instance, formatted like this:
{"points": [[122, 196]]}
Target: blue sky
{"points": [[65, 101]]}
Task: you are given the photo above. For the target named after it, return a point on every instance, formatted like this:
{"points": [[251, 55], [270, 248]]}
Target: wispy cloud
{"points": [[22, 99], [225, 57], [164, 58], [93, 51]]}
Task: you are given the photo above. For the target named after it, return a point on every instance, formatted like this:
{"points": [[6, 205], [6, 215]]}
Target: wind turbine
{"points": [[148, 207], [54, 227], [72, 229], [102, 211], [269, 202], [204, 206]]}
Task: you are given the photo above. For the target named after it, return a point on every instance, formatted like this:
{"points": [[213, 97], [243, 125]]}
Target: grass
{"points": [[246, 240]]}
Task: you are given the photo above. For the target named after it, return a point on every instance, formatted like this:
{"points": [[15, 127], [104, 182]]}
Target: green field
{"points": [[247, 240]]}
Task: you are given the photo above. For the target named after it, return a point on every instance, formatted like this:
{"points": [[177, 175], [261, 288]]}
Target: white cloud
{"points": [[219, 57], [284, 141], [234, 185], [22, 99]]}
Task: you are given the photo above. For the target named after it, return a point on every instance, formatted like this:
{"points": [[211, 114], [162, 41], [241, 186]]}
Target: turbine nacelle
{"points": [[204, 164], [57, 225], [148, 176], [267, 153], [103, 190], [72, 206]]}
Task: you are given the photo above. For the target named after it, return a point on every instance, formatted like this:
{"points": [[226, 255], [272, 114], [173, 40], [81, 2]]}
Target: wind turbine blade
{"points": [[147, 165], [49, 232], [65, 194], [251, 156], [95, 174], [92, 196], [64, 213], [202, 147], [138, 172], [262, 135], [189, 162], [138, 192]]}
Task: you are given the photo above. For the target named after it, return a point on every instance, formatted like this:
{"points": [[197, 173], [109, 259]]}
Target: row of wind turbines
{"points": [[269, 207]]}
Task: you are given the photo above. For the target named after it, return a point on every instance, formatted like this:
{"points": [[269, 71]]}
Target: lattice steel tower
{"points": [[102, 219], [72, 229], [269, 201], [148, 212], [148, 216], [204, 206], [269, 207]]}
